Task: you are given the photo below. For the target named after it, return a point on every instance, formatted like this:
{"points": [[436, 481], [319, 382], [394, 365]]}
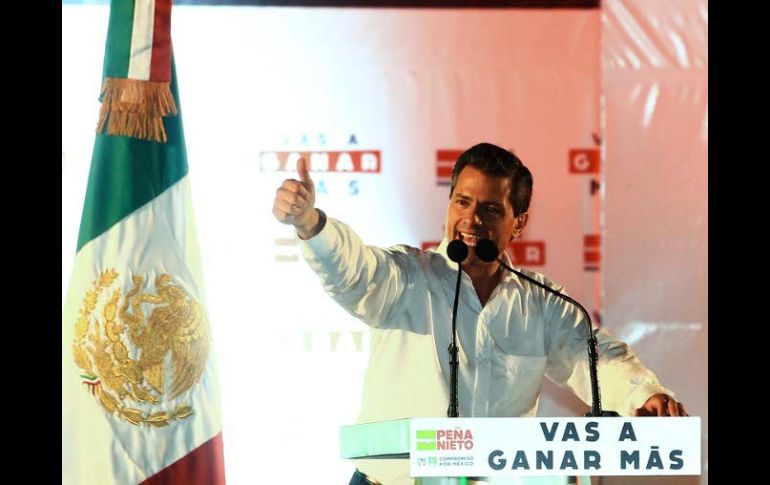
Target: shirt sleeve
{"points": [[624, 383], [369, 282]]}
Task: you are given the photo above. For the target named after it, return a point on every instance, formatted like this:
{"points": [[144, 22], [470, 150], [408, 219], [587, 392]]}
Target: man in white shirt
{"points": [[511, 332]]}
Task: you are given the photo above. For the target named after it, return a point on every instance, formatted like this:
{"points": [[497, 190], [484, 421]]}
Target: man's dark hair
{"points": [[498, 162]]}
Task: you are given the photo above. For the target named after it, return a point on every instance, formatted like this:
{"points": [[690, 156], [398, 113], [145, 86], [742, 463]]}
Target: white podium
{"points": [[536, 451]]}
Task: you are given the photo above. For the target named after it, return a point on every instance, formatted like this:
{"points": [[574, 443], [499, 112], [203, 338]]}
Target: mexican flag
{"points": [[140, 398]]}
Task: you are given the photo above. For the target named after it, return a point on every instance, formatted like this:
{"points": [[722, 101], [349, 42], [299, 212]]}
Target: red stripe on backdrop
{"points": [[444, 171], [160, 65], [448, 155], [203, 465], [592, 240]]}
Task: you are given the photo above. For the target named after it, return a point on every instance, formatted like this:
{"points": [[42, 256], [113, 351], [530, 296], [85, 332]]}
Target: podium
{"points": [[529, 451]]}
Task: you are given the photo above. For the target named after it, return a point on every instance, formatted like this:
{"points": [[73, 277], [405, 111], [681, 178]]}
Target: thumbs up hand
{"points": [[295, 203]]}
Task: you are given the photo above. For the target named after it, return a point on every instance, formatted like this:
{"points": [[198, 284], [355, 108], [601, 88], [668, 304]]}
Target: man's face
{"points": [[479, 208]]}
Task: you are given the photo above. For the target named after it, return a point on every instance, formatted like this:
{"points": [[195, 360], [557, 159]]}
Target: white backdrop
{"points": [[655, 80]]}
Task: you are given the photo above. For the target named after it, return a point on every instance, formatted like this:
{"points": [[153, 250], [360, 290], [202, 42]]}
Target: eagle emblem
{"points": [[141, 351]]}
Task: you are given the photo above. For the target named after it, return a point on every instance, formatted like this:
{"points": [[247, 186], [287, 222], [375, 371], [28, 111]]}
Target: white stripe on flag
{"points": [[141, 40], [98, 446]]}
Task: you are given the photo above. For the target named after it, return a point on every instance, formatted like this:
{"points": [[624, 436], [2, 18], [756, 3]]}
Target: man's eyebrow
{"points": [[491, 203]]}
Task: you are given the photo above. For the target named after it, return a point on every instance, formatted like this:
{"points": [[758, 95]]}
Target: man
{"points": [[511, 332]]}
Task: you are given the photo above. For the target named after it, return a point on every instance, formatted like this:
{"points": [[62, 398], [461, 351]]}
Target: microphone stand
{"points": [[454, 361], [457, 251], [593, 355]]}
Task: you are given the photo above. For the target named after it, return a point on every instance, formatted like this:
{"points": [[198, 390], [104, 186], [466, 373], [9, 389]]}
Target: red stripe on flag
{"points": [[204, 464], [160, 65]]}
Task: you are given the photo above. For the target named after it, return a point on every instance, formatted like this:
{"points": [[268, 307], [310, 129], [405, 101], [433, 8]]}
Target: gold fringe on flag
{"points": [[135, 108]]}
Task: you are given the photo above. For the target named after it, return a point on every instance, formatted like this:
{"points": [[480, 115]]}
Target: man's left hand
{"points": [[661, 405]]}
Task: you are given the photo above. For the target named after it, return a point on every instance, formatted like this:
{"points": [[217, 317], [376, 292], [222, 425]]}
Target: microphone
{"points": [[486, 250], [457, 251]]}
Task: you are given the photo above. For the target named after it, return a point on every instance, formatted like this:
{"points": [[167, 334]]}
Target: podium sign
{"points": [[490, 447]]}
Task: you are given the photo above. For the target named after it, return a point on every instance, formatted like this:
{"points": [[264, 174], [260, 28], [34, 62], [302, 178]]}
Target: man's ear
{"points": [[519, 223]]}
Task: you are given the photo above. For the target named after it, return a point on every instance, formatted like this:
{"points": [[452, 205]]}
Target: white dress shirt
{"points": [[506, 346]]}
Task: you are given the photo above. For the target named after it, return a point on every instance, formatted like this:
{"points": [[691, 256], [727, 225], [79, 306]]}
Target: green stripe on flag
{"points": [[126, 173], [424, 434], [117, 52], [426, 445]]}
